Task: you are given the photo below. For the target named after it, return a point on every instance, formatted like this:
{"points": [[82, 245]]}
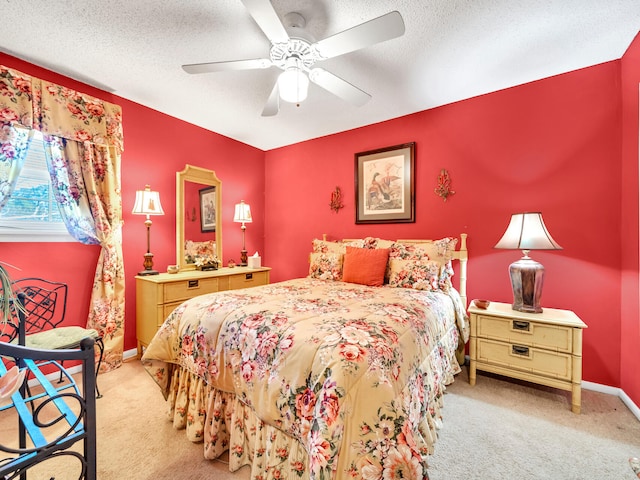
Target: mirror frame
{"points": [[204, 177]]}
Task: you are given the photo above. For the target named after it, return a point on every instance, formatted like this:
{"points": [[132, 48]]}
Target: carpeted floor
{"points": [[497, 430]]}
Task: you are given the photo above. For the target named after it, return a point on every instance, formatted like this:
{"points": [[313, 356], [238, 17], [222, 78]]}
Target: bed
{"points": [[329, 376]]}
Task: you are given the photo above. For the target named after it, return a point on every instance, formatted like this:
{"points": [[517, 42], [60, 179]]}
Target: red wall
{"points": [[156, 147], [630, 302], [566, 145], [551, 145]]}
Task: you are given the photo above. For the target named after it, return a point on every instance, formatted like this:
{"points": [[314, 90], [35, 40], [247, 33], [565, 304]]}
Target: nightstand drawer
{"points": [[530, 333], [246, 280], [186, 289], [525, 358]]}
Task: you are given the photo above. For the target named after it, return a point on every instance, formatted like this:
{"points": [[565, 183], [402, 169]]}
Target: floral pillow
{"points": [[441, 250], [197, 250], [444, 280], [325, 246], [438, 250], [407, 251], [382, 243], [326, 266], [419, 274]]}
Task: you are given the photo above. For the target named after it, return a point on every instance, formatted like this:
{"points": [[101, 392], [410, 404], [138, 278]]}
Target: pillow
{"points": [[326, 266], [381, 243], [365, 266], [193, 250], [446, 273], [325, 246], [440, 251], [421, 274], [407, 251]]}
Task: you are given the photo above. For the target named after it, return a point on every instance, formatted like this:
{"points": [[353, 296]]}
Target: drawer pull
{"points": [[519, 325], [520, 350], [193, 283], [248, 276]]}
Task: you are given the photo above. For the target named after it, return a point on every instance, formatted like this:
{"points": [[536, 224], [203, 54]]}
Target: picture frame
{"points": [[208, 209], [385, 185]]}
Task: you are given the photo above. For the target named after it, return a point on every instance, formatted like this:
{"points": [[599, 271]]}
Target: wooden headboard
{"points": [[461, 254]]}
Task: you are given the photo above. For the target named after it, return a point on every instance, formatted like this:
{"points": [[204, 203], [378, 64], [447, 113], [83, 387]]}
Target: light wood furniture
{"points": [[158, 295], [544, 348]]}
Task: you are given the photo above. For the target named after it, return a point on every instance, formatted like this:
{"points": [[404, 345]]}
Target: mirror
{"points": [[198, 215]]}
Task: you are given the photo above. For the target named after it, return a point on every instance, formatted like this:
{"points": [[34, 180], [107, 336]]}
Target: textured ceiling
{"points": [[451, 50]]}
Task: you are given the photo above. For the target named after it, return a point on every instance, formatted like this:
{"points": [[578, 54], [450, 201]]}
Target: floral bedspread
{"points": [[311, 378]]}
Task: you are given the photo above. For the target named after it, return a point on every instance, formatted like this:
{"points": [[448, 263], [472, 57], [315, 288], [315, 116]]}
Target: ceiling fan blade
{"points": [[273, 103], [267, 19], [339, 87], [374, 31], [226, 66]]}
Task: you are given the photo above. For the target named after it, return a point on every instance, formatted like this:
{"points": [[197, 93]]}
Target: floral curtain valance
{"points": [[55, 110]]}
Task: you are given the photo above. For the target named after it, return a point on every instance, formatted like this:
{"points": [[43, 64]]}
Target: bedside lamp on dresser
{"points": [[521, 340], [527, 232], [148, 203]]}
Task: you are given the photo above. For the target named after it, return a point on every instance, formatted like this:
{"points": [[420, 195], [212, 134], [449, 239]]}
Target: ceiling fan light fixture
{"points": [[293, 85]]}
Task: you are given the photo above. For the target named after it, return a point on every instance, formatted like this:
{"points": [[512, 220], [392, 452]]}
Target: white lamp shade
{"points": [[147, 203], [293, 85], [242, 213], [527, 231]]}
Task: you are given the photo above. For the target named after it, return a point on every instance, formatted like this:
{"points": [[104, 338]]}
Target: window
{"points": [[32, 214]]}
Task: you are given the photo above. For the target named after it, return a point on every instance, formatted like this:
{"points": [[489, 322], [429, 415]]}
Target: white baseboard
{"points": [[130, 354], [618, 392], [78, 368]]}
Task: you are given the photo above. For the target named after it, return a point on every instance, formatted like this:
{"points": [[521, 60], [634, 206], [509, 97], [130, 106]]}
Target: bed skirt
{"points": [[219, 420]]}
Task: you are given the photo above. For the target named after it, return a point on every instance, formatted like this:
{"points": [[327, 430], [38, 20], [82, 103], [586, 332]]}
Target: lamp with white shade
{"points": [[242, 215], [148, 203], [526, 232]]}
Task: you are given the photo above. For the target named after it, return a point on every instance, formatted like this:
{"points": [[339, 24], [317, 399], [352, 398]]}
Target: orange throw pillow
{"points": [[365, 266]]}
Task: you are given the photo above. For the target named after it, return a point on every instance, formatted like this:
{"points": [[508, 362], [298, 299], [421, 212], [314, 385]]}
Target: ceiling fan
{"points": [[297, 56]]}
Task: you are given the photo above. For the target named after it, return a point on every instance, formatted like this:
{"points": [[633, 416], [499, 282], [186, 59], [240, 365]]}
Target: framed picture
{"points": [[385, 185], [208, 209]]}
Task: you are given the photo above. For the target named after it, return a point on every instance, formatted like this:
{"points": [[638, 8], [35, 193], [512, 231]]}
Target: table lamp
{"points": [[242, 215], [148, 203], [527, 232]]}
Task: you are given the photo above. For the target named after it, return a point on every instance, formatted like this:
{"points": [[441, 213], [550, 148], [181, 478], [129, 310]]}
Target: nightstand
{"points": [[158, 295], [543, 348]]}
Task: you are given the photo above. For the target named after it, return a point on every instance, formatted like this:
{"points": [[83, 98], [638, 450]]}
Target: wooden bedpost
{"points": [[463, 256]]}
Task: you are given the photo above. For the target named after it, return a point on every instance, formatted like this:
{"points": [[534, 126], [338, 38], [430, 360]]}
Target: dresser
{"points": [[158, 295], [544, 348]]}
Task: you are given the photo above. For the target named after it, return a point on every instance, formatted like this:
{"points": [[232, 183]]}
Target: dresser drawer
{"points": [[528, 359], [246, 280], [185, 289], [554, 337], [167, 309]]}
